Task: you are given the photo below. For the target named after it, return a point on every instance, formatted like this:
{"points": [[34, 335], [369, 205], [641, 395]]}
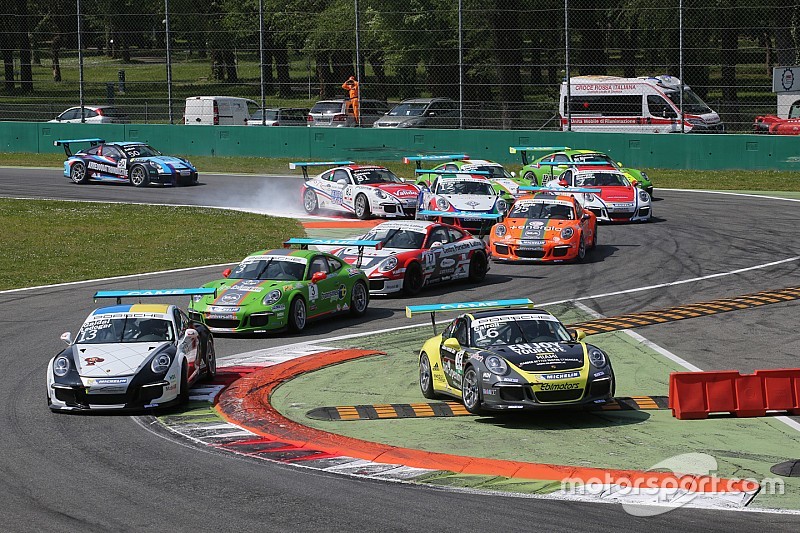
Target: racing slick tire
{"points": [[471, 391], [297, 315], [310, 203], [426, 378], [361, 207], [183, 395], [78, 173], [593, 245], [478, 267], [211, 361], [532, 177], [581, 251], [413, 280], [139, 176], [359, 299]]}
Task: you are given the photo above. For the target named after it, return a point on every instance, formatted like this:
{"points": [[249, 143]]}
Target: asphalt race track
{"points": [[107, 473]]}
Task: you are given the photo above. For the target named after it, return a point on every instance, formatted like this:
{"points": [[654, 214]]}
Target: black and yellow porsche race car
{"points": [[504, 355]]}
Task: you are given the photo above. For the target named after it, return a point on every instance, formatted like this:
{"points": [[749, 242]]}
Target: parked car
{"points": [[421, 113], [334, 113], [218, 111], [93, 114], [280, 116]]}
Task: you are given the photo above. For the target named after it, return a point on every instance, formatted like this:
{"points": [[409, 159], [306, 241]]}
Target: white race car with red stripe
{"points": [[362, 190], [617, 201], [416, 253]]}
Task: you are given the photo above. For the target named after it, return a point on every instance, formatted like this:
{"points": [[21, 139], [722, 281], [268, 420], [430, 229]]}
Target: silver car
{"points": [[334, 113], [280, 116], [421, 113], [93, 114]]}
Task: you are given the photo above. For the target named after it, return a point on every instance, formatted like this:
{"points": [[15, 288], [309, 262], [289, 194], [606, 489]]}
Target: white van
{"points": [[218, 110], [637, 105]]}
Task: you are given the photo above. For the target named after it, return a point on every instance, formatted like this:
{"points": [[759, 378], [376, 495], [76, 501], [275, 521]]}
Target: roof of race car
{"points": [[413, 225], [355, 166], [287, 252], [473, 163], [543, 197], [162, 309], [461, 177]]}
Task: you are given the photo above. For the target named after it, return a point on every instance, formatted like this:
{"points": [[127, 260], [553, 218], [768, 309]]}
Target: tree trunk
{"points": [[282, 71], [508, 57], [56, 46], [376, 59], [729, 43]]}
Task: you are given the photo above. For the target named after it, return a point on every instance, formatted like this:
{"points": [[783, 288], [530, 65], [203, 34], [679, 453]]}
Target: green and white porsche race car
{"points": [[560, 158], [504, 355], [276, 289]]}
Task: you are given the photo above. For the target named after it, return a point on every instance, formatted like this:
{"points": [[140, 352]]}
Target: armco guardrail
{"points": [[674, 151]]}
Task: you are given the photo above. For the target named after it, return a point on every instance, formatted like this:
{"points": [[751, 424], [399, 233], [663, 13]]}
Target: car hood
{"points": [[167, 160], [117, 359], [371, 257], [543, 356], [402, 191], [535, 228], [243, 292], [395, 120], [471, 202], [617, 194]]}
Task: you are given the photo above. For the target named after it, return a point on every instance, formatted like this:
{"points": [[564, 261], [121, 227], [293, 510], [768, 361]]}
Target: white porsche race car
{"points": [[462, 194], [133, 356], [357, 189]]}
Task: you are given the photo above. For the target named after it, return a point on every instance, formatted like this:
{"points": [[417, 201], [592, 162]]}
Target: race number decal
{"points": [[313, 292], [428, 260], [122, 163], [336, 196]]}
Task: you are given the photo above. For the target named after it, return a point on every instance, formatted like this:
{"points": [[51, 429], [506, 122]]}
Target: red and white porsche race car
{"points": [[415, 253], [363, 190]]}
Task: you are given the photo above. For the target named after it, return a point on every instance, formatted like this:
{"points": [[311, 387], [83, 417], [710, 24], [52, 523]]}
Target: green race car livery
{"points": [[540, 171], [275, 289]]}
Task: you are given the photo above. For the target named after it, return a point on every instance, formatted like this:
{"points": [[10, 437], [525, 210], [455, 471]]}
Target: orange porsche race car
{"points": [[544, 227]]}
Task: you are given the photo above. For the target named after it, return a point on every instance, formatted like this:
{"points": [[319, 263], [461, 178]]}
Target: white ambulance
{"points": [[634, 105]]}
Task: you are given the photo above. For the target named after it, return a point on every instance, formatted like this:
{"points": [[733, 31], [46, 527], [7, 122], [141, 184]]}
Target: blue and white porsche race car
{"points": [[131, 356], [133, 162]]}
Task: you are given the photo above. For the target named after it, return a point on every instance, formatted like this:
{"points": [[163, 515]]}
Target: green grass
{"points": [[91, 240], [729, 180]]}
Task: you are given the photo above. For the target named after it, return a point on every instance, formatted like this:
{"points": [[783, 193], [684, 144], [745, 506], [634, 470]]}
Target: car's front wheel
{"points": [[139, 176], [471, 391], [478, 266], [426, 378], [211, 361], [362, 207], [297, 315], [359, 299], [183, 395], [413, 280], [78, 173], [531, 177]]}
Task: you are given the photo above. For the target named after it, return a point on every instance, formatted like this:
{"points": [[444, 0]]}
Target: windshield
{"points": [[464, 187], [327, 108], [405, 239], [375, 175], [495, 171], [408, 110], [269, 114], [593, 158], [521, 329], [140, 150], [116, 329], [691, 102], [600, 179], [542, 210], [275, 267]]}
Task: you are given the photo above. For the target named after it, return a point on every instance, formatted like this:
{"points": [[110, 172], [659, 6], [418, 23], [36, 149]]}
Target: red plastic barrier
{"points": [[694, 395]]}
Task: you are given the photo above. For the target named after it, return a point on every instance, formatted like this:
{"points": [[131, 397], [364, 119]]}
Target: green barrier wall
{"points": [[675, 151]]}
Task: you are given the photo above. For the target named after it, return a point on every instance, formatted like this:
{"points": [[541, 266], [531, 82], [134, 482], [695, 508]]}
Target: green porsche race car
{"points": [[504, 355], [505, 183], [285, 288], [543, 169]]}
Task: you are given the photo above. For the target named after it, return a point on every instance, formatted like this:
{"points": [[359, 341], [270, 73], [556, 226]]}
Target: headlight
{"points": [[160, 363], [501, 206], [500, 230], [442, 204], [197, 297], [644, 176], [380, 194], [589, 197], [643, 196], [61, 366], [567, 233], [496, 365], [388, 264], [597, 358], [272, 297]]}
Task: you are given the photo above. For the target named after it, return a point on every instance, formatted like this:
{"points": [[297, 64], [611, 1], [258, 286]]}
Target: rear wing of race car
{"points": [[554, 190], [441, 216], [519, 303], [155, 293], [359, 243], [304, 165], [453, 172], [523, 150], [418, 159], [554, 164], [66, 142]]}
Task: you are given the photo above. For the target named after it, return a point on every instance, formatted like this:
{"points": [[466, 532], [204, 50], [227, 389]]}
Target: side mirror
{"points": [[585, 216], [513, 174], [379, 246], [316, 277], [436, 244], [66, 337], [341, 181], [451, 343], [576, 334], [191, 333], [563, 183], [226, 272]]}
